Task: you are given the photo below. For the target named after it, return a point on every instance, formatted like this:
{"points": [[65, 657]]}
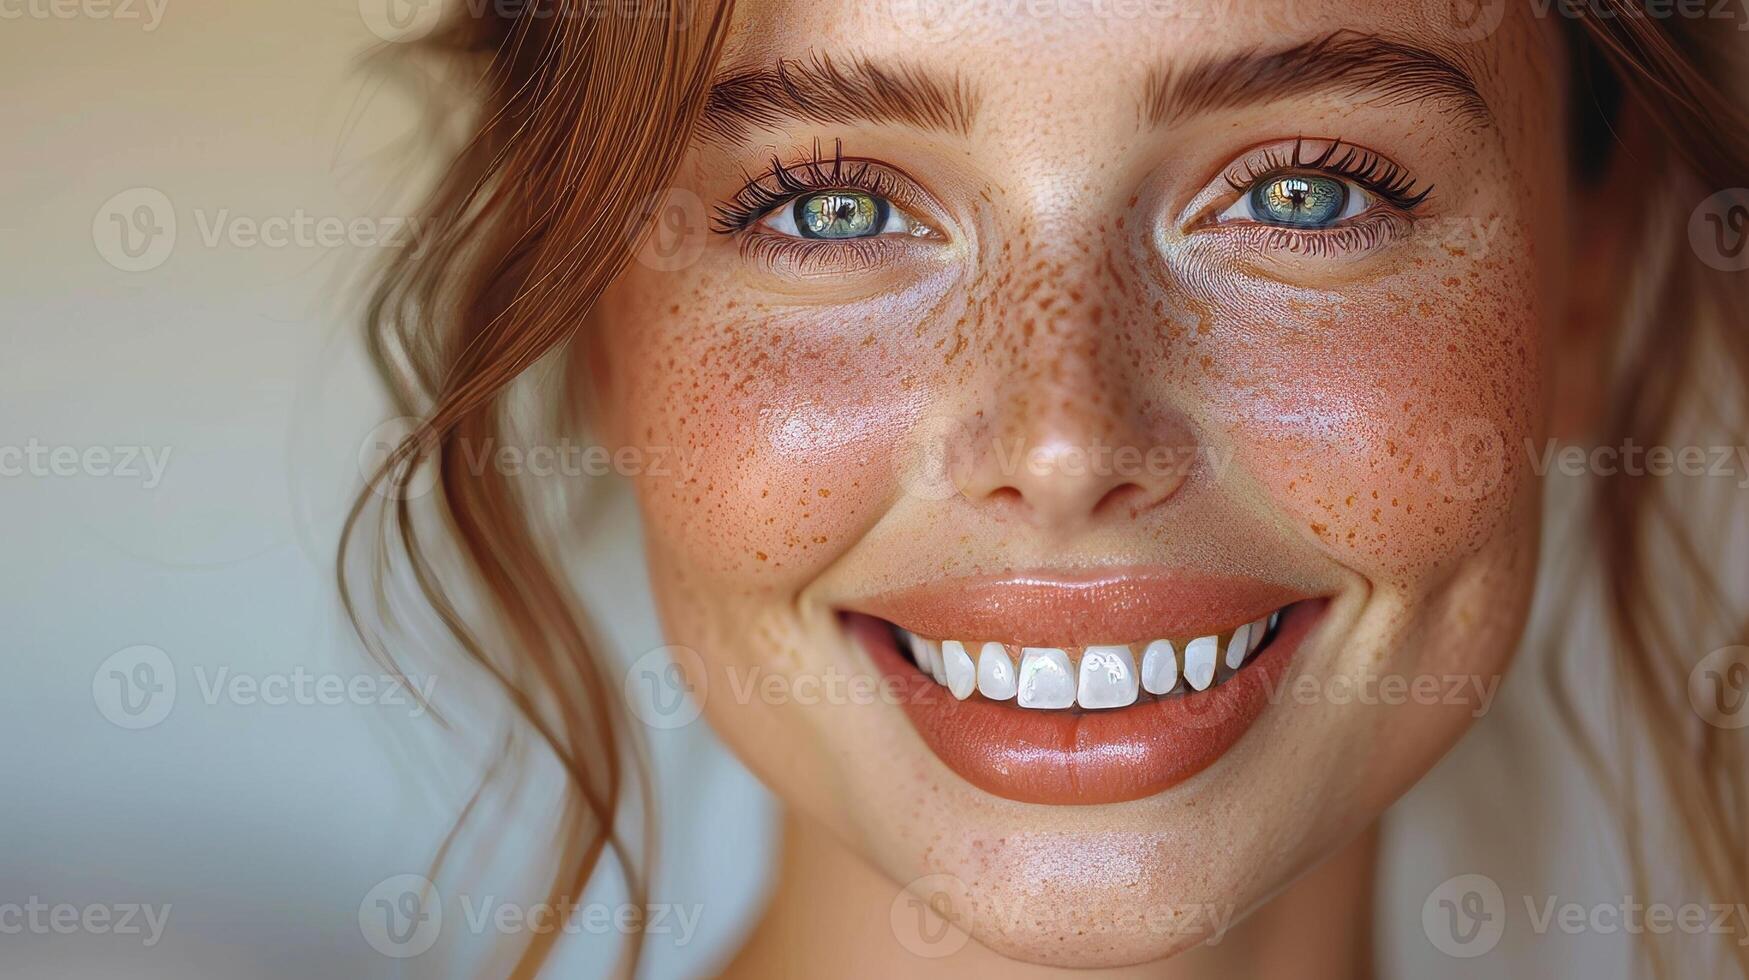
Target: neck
{"points": [[830, 916]]}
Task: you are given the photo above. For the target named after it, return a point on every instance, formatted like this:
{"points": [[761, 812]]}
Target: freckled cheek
{"points": [[787, 449], [1397, 442]]}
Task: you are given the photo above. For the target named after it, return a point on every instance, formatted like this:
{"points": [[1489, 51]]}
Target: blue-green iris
{"points": [[840, 214], [1299, 200]]}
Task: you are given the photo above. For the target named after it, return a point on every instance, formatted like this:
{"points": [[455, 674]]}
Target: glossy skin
{"points": [[1070, 298]]}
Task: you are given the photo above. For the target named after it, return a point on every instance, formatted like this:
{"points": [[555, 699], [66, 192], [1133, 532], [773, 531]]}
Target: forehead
{"points": [[1029, 46]]}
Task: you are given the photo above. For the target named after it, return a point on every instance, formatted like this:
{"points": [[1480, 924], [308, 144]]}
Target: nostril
{"points": [[1125, 496]]}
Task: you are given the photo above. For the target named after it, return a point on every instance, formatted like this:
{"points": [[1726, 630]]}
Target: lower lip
{"points": [[1074, 757]]}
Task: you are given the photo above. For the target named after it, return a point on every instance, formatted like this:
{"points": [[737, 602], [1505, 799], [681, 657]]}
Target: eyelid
{"points": [[1386, 182], [782, 182]]}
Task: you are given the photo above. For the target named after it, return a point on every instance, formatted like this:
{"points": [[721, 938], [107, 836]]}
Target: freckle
{"points": [[825, 492]]}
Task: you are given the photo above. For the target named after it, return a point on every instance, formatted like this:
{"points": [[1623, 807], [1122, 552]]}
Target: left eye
{"points": [[840, 215], [1299, 201]]}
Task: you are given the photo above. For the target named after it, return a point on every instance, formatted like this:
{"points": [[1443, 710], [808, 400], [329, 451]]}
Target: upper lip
{"points": [[1081, 608]]}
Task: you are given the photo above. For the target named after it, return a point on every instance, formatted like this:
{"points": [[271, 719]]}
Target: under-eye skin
{"points": [[1319, 198]]}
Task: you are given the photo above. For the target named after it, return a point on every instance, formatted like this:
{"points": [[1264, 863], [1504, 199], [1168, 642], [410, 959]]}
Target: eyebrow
{"points": [[817, 89], [1384, 71]]}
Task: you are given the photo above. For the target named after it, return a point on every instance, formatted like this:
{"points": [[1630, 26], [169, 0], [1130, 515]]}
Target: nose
{"points": [[1065, 466], [1077, 430]]}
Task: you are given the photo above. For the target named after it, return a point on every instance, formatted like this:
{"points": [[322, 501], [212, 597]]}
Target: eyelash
{"points": [[1372, 172], [783, 183], [811, 176]]}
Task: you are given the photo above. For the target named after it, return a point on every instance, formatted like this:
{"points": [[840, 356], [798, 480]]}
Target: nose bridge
{"points": [[1071, 425]]}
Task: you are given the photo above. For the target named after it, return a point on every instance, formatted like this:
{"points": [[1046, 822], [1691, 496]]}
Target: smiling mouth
{"points": [[1095, 678], [1059, 713]]}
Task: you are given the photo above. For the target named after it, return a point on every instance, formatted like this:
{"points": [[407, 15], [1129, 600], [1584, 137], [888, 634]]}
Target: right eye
{"points": [[840, 215]]}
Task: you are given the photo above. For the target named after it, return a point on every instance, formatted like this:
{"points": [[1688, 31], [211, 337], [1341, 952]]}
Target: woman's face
{"points": [[1044, 333]]}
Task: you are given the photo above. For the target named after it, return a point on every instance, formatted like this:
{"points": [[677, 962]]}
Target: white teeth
{"points": [[1045, 678], [1199, 661], [1104, 677], [996, 673], [962, 677], [927, 655], [1108, 678], [1159, 667], [1238, 647], [919, 652]]}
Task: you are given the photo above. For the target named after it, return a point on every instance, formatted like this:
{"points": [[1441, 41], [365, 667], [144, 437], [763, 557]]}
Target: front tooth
{"points": [[1275, 619], [1258, 629], [1159, 667], [996, 672], [1199, 661], [1108, 678], [1238, 647], [1045, 679], [962, 677]]}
